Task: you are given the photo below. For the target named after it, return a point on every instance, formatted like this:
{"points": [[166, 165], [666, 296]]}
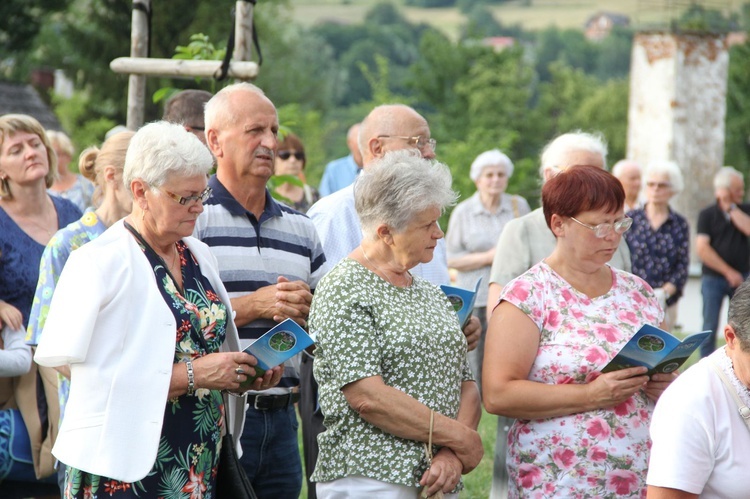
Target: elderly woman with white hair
{"points": [[659, 239], [153, 343], [473, 230], [394, 381]]}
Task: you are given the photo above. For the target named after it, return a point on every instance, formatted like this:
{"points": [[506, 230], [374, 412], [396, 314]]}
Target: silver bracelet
{"points": [[191, 377]]}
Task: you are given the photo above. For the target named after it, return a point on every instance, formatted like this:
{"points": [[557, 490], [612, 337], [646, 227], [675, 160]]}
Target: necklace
{"points": [[411, 279]]}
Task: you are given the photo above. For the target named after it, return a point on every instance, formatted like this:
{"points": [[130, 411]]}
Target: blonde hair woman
{"points": [[69, 185]]}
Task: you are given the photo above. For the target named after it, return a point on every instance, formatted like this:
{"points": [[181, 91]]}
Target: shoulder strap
{"points": [[742, 408]]}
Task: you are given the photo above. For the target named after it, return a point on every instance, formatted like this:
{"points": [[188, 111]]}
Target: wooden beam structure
{"points": [[139, 66], [182, 68]]}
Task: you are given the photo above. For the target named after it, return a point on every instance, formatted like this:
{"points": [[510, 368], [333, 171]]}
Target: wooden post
{"points": [[138, 48], [243, 31], [138, 65]]}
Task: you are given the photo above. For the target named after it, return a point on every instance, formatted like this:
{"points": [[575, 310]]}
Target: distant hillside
{"points": [[530, 14]]}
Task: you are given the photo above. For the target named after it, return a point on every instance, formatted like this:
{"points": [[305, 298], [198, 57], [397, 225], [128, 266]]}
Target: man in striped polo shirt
{"points": [[270, 259]]}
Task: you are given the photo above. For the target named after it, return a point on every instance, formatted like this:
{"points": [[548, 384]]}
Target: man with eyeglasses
{"points": [[722, 244], [386, 128], [186, 108], [527, 240], [270, 260]]}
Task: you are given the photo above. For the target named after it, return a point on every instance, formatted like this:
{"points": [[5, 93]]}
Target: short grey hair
{"points": [[161, 149], [723, 178], [398, 187], [668, 168], [553, 153], [218, 113], [490, 158], [739, 314]]}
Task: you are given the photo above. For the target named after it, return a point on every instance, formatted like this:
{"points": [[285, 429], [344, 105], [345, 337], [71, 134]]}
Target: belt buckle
{"points": [[255, 403]]}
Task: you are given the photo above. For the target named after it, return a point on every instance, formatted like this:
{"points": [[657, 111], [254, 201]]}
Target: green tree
{"points": [[737, 149], [560, 98], [605, 110], [21, 20]]}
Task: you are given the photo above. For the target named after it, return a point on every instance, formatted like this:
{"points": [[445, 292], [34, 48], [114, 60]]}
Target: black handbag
{"points": [[231, 480]]}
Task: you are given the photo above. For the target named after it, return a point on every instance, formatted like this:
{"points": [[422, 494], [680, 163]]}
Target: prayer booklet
{"points": [[656, 349], [462, 300], [279, 344]]}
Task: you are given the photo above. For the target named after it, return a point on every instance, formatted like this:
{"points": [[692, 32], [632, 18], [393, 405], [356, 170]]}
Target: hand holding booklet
{"points": [[656, 349], [462, 300], [276, 346]]}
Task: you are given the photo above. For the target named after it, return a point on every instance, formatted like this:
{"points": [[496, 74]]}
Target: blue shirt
{"points": [[253, 253], [662, 255], [20, 255], [338, 174]]}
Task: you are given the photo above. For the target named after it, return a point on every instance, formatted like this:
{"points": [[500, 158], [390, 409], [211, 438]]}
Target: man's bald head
{"points": [[389, 128]]}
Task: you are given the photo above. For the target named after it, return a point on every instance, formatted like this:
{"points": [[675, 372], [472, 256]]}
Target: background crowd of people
{"points": [[138, 280]]}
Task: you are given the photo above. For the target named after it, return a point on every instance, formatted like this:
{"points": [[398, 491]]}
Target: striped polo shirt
{"points": [[253, 253]]}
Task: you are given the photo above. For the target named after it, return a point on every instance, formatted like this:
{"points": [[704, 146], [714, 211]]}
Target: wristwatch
{"points": [[731, 208]]}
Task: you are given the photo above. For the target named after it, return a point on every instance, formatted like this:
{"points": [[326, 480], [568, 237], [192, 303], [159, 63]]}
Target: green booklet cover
{"points": [[656, 349], [279, 344]]}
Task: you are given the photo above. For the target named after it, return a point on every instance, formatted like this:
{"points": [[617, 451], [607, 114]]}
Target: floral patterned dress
{"points": [[600, 453], [188, 456]]}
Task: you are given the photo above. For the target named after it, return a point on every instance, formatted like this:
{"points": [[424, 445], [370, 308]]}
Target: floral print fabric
{"points": [[662, 255], [188, 456], [411, 338], [600, 453]]}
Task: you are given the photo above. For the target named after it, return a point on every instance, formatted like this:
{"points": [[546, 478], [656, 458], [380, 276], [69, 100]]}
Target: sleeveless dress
{"points": [[188, 456]]}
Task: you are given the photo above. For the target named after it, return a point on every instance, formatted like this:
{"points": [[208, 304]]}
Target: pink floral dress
{"points": [[601, 453]]}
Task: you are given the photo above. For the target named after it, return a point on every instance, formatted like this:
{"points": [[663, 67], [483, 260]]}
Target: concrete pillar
{"points": [[678, 85]]}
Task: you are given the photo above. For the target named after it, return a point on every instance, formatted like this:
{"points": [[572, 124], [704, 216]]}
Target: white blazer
{"points": [[108, 320]]}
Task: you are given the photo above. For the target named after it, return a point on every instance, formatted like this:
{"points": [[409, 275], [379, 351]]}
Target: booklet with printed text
{"points": [[276, 346], [462, 300], [656, 349]]}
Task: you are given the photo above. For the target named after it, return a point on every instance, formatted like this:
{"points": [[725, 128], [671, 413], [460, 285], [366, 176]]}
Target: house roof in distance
{"points": [[24, 99]]}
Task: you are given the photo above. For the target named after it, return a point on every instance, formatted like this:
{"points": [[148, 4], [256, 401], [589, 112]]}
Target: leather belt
{"points": [[272, 402]]}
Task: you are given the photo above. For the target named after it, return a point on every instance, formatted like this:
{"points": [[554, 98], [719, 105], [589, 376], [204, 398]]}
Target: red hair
{"points": [[581, 188]]}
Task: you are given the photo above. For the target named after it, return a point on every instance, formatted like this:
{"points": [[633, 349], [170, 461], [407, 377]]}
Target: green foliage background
{"points": [[326, 77]]}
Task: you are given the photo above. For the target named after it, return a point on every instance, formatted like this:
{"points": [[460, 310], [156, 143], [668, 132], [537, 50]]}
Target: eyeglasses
{"points": [[603, 230], [658, 185], [419, 142], [300, 155], [183, 200]]}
